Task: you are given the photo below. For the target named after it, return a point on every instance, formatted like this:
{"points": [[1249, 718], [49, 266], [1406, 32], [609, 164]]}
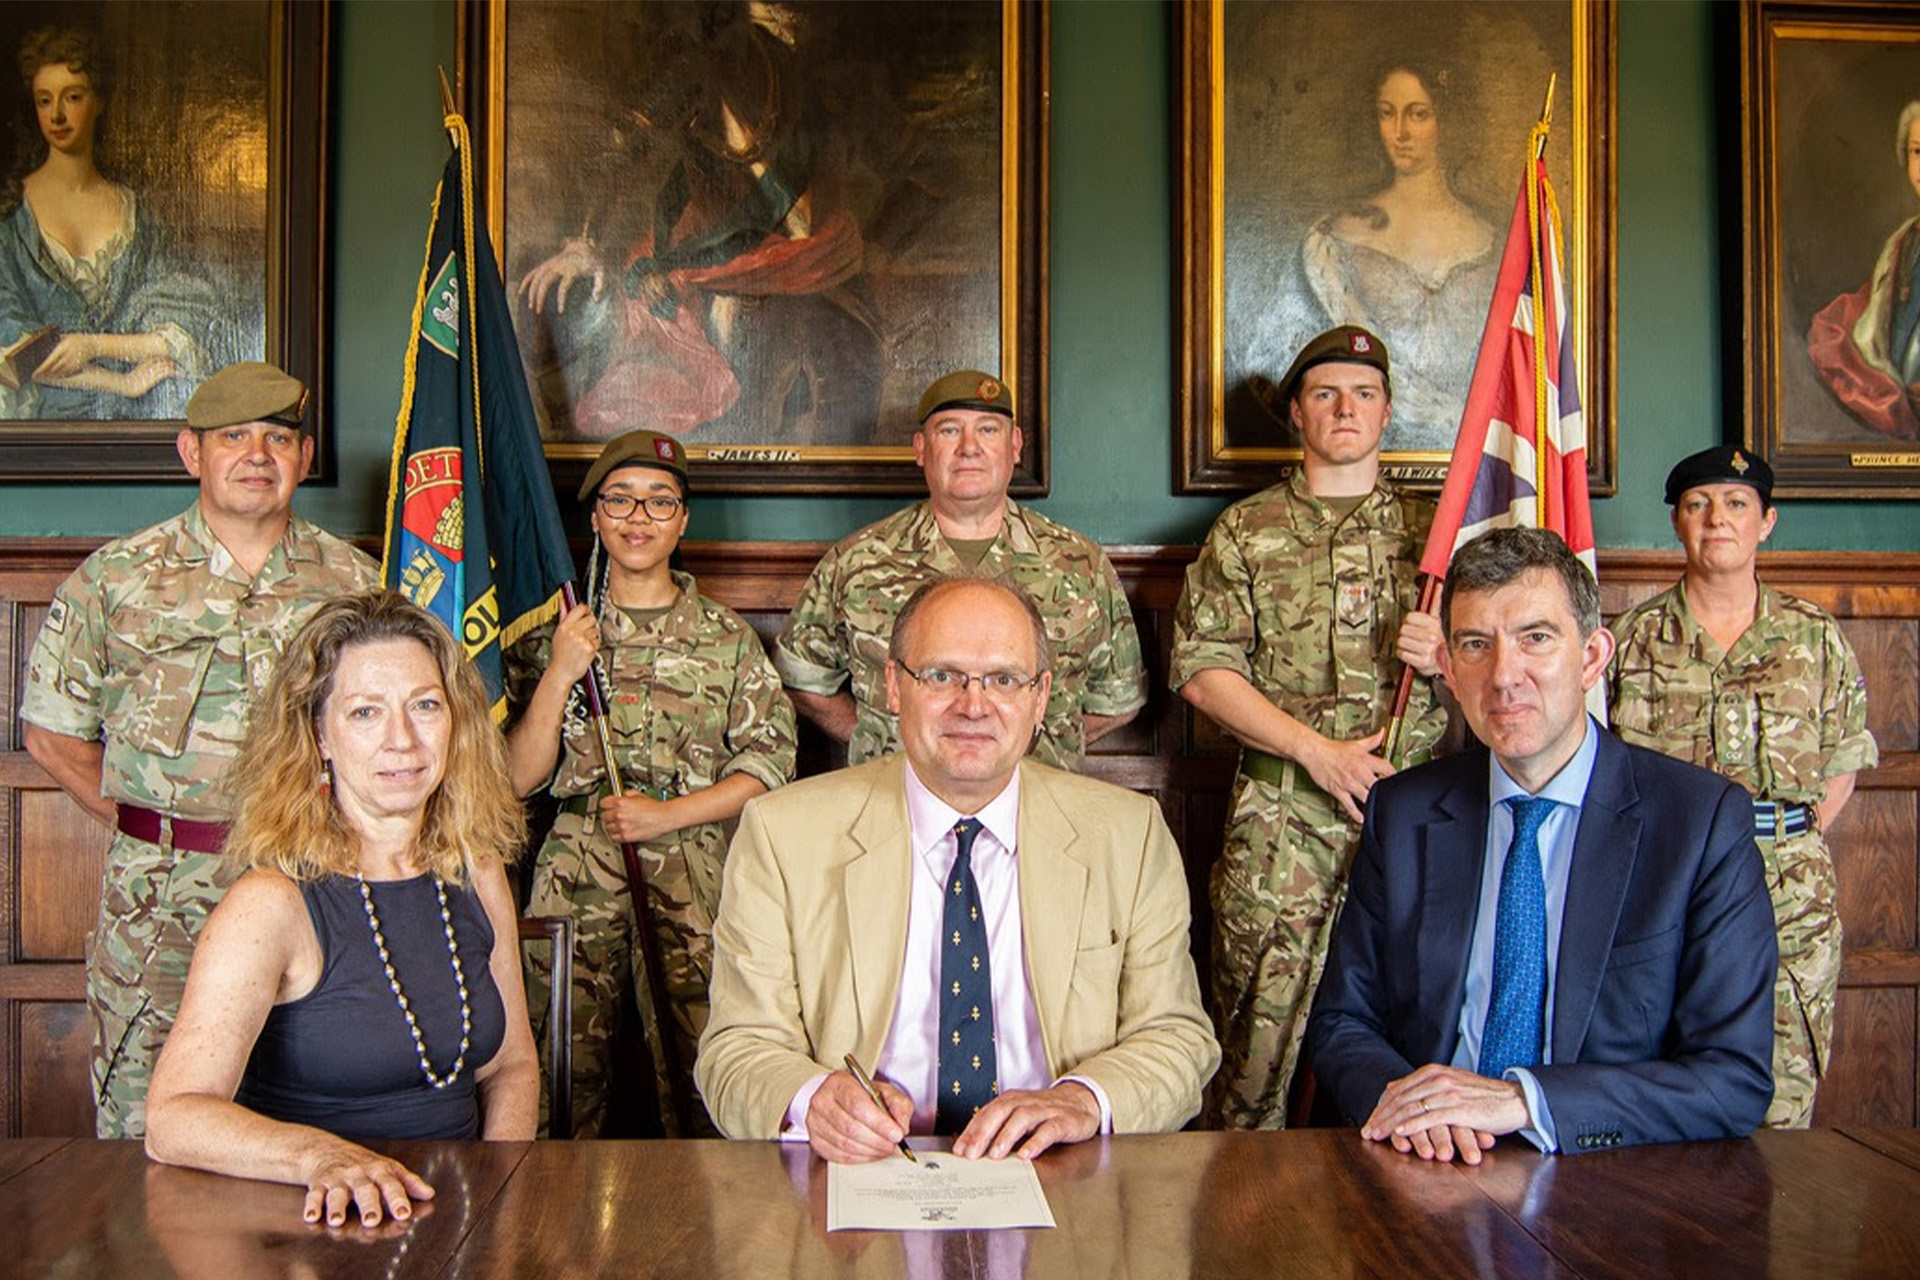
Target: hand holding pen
{"points": [[866, 1082]]}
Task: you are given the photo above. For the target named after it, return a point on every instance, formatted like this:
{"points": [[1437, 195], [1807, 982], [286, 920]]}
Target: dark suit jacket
{"points": [[1663, 992]]}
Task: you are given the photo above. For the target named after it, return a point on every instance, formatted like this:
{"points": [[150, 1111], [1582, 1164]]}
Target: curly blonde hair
{"points": [[285, 821]]}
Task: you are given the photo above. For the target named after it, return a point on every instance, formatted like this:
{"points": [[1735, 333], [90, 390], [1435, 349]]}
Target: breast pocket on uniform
{"points": [[1790, 730], [154, 680], [1664, 703], [1072, 626], [868, 635], [689, 723]]}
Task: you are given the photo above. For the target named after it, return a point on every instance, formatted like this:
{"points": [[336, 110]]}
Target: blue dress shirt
{"points": [[1568, 789]]}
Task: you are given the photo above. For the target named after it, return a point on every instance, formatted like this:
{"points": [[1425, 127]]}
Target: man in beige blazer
{"points": [[830, 932]]}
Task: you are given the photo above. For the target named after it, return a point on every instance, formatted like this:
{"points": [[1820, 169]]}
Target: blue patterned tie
{"points": [[1517, 1005], [969, 1077]]}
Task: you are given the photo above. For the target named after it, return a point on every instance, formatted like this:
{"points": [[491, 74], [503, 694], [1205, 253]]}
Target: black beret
{"points": [[1723, 464]]}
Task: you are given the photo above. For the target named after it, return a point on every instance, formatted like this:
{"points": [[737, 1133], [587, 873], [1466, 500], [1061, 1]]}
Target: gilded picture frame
{"points": [[1831, 163], [208, 123], [1297, 211], [773, 224]]}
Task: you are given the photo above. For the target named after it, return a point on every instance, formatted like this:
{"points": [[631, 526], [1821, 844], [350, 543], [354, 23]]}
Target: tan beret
{"points": [[967, 389], [636, 449], [1348, 344], [251, 391]]}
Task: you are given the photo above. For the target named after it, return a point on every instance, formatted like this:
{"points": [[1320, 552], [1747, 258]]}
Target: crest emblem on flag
{"points": [[432, 512]]}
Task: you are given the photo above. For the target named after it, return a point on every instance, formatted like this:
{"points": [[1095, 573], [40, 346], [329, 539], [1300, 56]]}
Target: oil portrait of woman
{"points": [[1410, 261], [1365, 162], [81, 252]]}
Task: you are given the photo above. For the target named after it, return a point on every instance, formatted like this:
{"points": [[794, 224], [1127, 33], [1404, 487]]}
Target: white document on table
{"points": [[942, 1192]]}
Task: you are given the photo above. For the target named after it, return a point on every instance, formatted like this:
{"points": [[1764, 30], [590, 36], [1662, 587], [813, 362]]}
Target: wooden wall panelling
{"points": [[49, 854], [50, 857]]}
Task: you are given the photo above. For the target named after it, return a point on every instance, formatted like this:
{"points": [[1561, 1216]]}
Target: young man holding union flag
{"points": [[1290, 634]]}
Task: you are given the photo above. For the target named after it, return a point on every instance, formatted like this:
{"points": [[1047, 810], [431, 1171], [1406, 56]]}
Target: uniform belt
{"points": [[1775, 820], [1262, 767], [160, 828]]}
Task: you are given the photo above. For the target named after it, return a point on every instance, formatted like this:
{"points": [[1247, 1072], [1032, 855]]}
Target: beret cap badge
{"points": [[966, 389]]}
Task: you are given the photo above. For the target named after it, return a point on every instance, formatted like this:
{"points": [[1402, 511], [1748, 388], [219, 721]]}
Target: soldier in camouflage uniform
{"points": [[1290, 634], [833, 652], [1727, 673], [700, 726], [137, 696]]}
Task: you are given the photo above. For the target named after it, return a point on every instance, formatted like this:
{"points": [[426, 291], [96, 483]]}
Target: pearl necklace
{"points": [[393, 980]]}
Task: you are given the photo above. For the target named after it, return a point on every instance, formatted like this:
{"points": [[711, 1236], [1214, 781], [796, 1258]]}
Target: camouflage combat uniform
{"points": [[694, 700], [157, 644], [1309, 612], [843, 620], [1780, 713]]}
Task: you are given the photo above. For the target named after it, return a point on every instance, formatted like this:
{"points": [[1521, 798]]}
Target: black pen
{"points": [[866, 1082]]}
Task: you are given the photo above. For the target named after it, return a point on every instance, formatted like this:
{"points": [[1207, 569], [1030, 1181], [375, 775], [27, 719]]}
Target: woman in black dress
{"points": [[362, 980]]}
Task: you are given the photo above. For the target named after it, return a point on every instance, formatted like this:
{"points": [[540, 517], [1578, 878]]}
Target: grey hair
{"points": [[1904, 132], [1499, 556]]}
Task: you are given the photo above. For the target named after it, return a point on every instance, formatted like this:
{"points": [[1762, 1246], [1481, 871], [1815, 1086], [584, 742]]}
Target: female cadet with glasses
{"points": [[700, 726]]}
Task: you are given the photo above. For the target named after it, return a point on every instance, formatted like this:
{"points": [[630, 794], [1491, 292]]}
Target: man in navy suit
{"points": [[1556, 935]]}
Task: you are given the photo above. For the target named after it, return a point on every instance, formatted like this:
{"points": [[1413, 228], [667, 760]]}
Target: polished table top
{"points": [[1830, 1203]]}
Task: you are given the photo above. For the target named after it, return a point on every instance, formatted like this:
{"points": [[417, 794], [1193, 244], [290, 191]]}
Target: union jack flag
{"points": [[1521, 455]]}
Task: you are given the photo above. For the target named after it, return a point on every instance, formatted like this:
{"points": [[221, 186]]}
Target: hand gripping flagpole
{"points": [[666, 1045], [1430, 584]]}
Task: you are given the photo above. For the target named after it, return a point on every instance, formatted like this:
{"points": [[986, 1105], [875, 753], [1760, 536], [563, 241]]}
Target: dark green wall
{"points": [[1112, 295]]}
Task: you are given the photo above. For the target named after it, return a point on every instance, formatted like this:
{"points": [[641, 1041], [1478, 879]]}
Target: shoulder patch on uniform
{"points": [[57, 617]]}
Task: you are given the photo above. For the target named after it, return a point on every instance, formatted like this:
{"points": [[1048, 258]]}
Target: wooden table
{"points": [[1305, 1203]]}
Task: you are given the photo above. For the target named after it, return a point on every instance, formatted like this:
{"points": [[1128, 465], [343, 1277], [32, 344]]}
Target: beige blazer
{"points": [[811, 938]]}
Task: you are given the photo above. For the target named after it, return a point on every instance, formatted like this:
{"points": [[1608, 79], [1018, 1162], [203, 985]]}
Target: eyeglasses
{"points": [[996, 686], [659, 506]]}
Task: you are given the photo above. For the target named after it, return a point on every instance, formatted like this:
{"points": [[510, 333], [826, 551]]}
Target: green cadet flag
{"points": [[473, 531]]}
